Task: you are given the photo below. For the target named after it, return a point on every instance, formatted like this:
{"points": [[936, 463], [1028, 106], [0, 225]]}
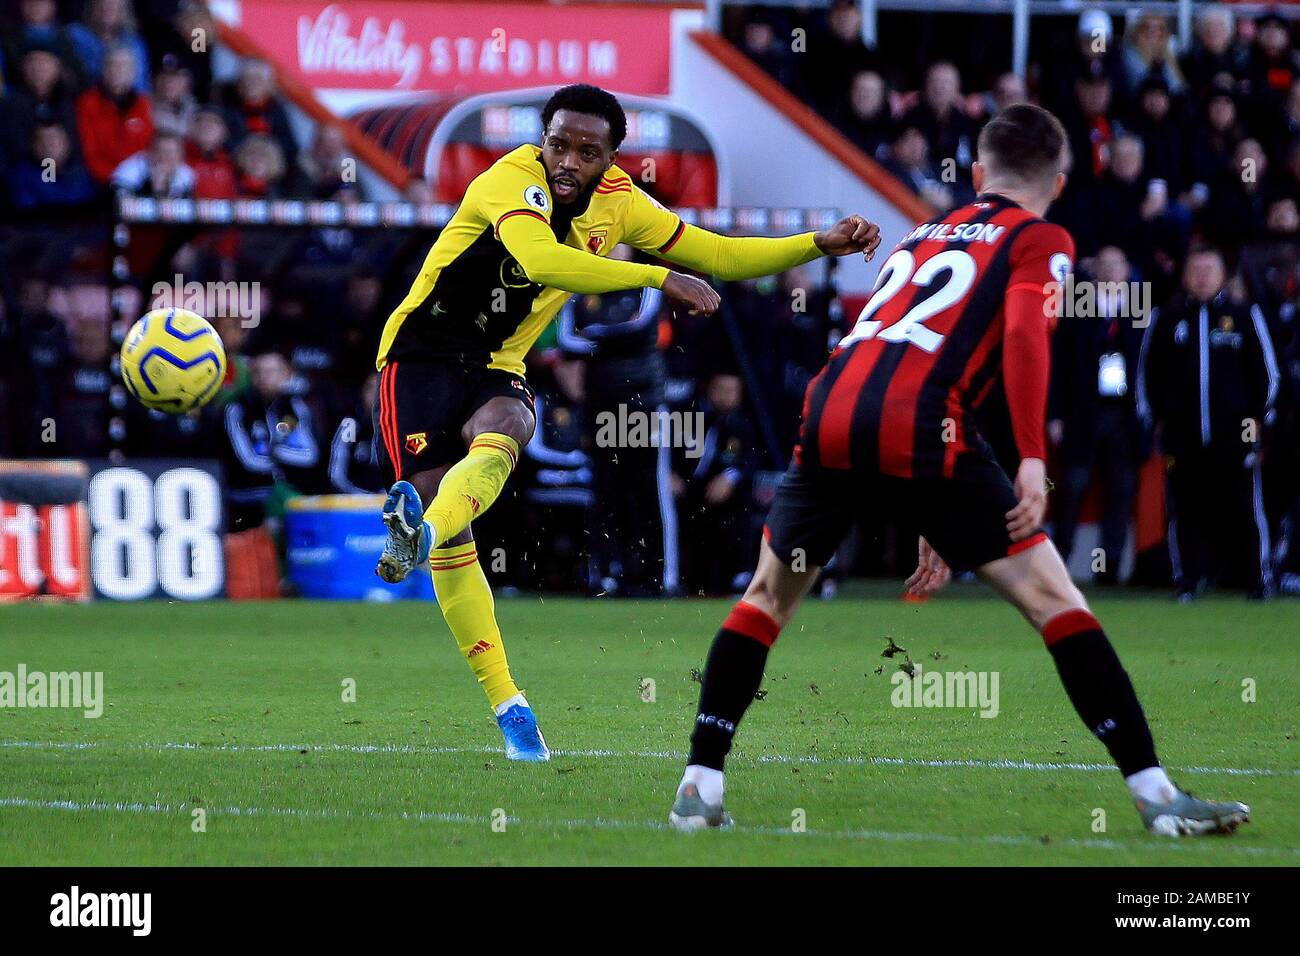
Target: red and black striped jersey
{"points": [[959, 312]]}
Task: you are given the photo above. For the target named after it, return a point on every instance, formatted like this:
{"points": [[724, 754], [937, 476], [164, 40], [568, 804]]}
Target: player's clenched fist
{"points": [[850, 234], [694, 293]]}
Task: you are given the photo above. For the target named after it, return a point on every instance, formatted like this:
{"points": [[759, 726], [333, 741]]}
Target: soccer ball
{"points": [[173, 360]]}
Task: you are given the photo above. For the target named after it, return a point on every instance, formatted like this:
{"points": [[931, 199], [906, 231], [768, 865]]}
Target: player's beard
{"points": [[580, 199]]}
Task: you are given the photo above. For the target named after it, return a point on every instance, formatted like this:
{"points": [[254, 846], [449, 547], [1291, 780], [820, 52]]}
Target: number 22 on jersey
{"points": [[900, 270]]}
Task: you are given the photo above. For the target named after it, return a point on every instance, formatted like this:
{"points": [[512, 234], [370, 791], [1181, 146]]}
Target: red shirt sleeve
{"points": [[1043, 255]]}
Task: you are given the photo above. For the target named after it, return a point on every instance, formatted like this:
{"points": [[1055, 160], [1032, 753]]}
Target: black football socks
{"points": [[732, 676], [1100, 689]]}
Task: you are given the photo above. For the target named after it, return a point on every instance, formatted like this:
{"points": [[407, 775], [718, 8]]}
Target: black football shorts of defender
{"points": [[963, 517], [423, 405]]}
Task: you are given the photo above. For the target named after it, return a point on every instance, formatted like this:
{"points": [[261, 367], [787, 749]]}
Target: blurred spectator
{"points": [[1273, 67], [83, 390], [205, 153], [174, 104], [270, 439], [187, 40], [1282, 221], [361, 320], [713, 484], [1161, 132], [1008, 90], [1212, 149], [43, 348], [1134, 209], [1287, 181], [1092, 126], [1094, 54], [1093, 418], [836, 54], [775, 54], [259, 165], [866, 120], [37, 27], [239, 374], [941, 118], [159, 172], [353, 465], [1215, 57], [324, 167], [555, 471], [1237, 206], [114, 121], [1148, 52], [41, 95], [618, 333], [1284, 132], [256, 111], [909, 161], [51, 175], [1208, 380], [331, 247], [107, 26]]}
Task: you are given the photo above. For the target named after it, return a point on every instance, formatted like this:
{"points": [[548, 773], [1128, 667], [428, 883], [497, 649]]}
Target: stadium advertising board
{"points": [[156, 530], [72, 529], [44, 530], [462, 47]]}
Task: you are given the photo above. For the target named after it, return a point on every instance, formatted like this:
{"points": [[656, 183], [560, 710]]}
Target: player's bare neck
{"points": [[1022, 197]]}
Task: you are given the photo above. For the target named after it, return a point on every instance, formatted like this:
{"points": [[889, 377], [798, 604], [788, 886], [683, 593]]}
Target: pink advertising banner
{"points": [[463, 47]]}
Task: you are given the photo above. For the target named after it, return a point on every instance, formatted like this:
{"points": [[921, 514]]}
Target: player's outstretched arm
{"points": [[748, 257]]}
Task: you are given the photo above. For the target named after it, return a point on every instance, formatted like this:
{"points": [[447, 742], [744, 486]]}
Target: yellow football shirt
{"points": [[510, 257]]}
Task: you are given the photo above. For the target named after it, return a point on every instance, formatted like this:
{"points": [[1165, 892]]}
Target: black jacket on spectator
{"points": [[619, 333], [1209, 154], [1205, 369], [950, 137], [1164, 148], [1078, 346], [354, 464], [266, 444], [1115, 215], [1234, 214], [1200, 67]]}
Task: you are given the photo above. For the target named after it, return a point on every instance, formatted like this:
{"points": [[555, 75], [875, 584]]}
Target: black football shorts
{"points": [[963, 517], [422, 406]]}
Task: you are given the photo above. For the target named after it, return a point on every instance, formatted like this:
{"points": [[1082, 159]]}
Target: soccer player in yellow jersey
{"points": [[454, 407]]}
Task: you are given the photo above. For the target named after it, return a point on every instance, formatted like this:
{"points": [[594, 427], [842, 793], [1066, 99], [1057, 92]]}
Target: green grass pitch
{"points": [[238, 709]]}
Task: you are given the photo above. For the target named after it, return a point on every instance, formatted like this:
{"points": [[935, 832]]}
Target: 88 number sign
{"points": [[156, 532]]}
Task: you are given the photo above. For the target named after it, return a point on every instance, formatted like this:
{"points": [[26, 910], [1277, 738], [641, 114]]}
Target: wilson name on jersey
{"points": [[472, 302], [899, 392]]}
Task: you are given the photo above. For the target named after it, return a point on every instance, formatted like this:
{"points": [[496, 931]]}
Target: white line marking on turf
{"points": [[643, 754], [601, 823]]}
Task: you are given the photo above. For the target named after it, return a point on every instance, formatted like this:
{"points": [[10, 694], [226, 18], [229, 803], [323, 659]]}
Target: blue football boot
{"points": [[409, 536], [523, 738]]}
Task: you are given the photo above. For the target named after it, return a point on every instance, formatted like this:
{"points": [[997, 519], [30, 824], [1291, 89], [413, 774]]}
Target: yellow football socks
{"points": [[466, 602], [471, 485]]}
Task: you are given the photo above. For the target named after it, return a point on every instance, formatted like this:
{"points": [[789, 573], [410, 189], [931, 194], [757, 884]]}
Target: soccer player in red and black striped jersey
{"points": [[960, 317]]}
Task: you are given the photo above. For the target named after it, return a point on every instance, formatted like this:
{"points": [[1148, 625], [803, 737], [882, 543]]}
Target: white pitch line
{"points": [[602, 823], [638, 754]]}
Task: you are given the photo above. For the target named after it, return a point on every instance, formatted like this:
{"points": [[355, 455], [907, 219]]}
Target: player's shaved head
{"points": [[1023, 142], [1023, 151]]}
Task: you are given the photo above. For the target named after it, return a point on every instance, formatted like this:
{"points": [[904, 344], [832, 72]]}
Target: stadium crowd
{"points": [[1184, 197]]}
